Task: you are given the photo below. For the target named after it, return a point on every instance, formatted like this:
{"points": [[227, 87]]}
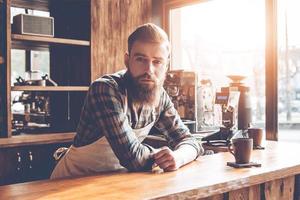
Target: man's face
{"points": [[147, 66], [147, 62]]}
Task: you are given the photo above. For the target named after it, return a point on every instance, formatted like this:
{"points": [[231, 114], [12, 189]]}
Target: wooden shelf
{"points": [[35, 139], [1, 60], [50, 88], [50, 40]]}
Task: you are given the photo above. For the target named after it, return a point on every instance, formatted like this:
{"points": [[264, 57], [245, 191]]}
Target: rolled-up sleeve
{"points": [[171, 125]]}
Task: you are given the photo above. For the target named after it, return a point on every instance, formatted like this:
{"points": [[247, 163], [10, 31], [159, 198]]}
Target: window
{"points": [[288, 70], [219, 38]]}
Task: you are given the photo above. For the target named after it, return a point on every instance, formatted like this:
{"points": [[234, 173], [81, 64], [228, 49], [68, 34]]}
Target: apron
{"points": [[95, 157]]}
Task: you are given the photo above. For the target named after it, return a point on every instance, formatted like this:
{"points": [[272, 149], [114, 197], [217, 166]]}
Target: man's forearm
{"points": [[170, 160], [186, 154]]}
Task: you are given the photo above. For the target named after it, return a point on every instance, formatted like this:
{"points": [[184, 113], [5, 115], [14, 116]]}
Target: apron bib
{"points": [[95, 157]]}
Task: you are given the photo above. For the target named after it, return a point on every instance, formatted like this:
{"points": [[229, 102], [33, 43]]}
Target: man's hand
{"points": [[167, 159]]}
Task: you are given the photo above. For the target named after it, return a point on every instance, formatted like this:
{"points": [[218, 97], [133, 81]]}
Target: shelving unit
{"points": [[49, 40], [50, 88], [70, 66], [85, 46], [30, 137]]}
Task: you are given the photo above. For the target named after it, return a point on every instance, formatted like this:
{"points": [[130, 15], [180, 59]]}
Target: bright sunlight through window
{"points": [[220, 38]]}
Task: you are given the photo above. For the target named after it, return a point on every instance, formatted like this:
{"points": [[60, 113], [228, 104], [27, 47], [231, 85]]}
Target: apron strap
{"points": [[58, 154]]}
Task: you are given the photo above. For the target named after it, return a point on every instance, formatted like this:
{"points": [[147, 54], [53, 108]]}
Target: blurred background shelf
{"points": [[50, 40], [35, 139], [50, 88]]}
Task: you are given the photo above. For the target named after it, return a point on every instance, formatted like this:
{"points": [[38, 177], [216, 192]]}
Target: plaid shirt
{"points": [[103, 114]]}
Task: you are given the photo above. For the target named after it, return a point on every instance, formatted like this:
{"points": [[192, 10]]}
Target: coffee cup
{"points": [[241, 149], [257, 135]]}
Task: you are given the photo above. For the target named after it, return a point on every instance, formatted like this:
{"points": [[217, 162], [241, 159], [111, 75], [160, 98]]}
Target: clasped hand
{"points": [[167, 159]]}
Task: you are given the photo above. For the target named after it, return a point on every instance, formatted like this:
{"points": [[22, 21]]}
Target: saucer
{"points": [[258, 147], [250, 164]]}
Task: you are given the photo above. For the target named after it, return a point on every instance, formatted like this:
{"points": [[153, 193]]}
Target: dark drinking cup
{"points": [[241, 149]]}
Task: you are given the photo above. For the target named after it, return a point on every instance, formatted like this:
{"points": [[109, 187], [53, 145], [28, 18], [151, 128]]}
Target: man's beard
{"points": [[145, 94]]}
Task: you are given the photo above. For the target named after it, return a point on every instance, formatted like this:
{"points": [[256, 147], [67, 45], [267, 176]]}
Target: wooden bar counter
{"points": [[206, 178]]}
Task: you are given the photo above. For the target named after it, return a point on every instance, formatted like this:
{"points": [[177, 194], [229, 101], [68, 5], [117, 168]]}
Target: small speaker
{"points": [[33, 25]]}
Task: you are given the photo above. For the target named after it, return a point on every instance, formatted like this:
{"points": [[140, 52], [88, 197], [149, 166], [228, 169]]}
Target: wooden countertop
{"points": [[206, 176], [35, 139]]}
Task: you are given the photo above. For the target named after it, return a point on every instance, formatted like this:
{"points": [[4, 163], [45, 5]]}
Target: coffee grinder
{"points": [[244, 105], [236, 112]]}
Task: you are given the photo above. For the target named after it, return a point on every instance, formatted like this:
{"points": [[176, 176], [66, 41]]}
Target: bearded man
{"points": [[121, 108]]}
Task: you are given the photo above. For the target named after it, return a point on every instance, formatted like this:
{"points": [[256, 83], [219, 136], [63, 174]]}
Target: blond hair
{"points": [[148, 33]]}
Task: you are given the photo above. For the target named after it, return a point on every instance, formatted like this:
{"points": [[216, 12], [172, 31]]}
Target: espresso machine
{"points": [[236, 112], [181, 87], [31, 109], [35, 115]]}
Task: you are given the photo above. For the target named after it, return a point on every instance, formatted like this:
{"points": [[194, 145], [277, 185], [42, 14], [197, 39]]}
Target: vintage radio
{"points": [[33, 25]]}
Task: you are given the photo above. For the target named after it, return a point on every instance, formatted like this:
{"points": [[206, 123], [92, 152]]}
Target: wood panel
{"points": [[157, 12], [248, 193], [255, 192], [37, 4], [6, 102], [271, 71], [280, 189], [215, 197], [112, 21], [2, 71]]}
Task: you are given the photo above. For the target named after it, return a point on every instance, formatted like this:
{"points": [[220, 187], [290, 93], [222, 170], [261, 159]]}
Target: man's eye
{"points": [[157, 62], [140, 59]]}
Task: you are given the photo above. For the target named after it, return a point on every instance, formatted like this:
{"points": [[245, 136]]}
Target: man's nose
{"points": [[149, 68]]}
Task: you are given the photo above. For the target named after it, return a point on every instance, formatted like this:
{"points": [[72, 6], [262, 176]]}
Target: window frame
{"points": [[271, 57]]}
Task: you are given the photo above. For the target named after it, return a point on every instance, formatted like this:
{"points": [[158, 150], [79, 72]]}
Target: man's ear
{"points": [[126, 59]]}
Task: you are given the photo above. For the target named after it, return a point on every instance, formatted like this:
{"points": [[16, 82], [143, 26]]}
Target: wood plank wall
{"points": [[112, 22], [3, 82], [1, 66], [283, 188]]}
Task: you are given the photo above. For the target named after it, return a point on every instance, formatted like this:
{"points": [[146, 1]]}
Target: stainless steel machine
{"points": [[30, 109], [35, 115], [181, 87], [236, 112]]}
